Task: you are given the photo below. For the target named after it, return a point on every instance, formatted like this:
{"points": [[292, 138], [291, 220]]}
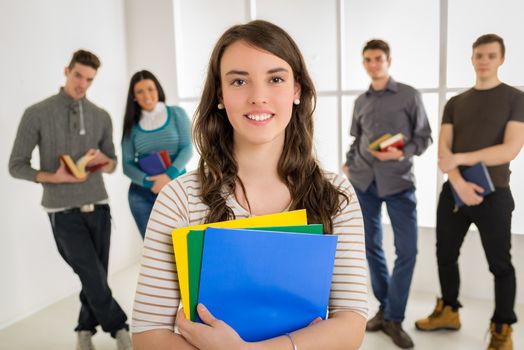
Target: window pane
{"points": [[467, 20], [426, 168], [197, 28], [348, 103], [314, 30], [326, 129], [411, 27]]}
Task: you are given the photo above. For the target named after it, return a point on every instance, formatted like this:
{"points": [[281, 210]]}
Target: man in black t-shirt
{"points": [[483, 124]]}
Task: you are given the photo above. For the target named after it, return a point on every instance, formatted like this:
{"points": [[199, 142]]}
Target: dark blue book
{"points": [[265, 284], [479, 175], [154, 163]]}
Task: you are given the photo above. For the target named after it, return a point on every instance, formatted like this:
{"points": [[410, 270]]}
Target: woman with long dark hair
{"points": [[152, 129], [254, 132]]}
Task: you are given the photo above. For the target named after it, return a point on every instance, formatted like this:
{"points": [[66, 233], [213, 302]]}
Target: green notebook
{"points": [[195, 243]]}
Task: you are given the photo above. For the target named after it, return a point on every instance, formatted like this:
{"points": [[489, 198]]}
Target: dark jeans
{"points": [[141, 201], [390, 290], [493, 220], [83, 241]]}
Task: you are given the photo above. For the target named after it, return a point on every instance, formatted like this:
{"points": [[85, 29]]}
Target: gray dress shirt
{"points": [[396, 109]]}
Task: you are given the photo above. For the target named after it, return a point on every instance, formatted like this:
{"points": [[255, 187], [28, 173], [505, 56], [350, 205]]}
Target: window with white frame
{"points": [[431, 48]]}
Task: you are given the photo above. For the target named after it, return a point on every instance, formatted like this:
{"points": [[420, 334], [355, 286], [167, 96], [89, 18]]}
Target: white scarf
{"points": [[154, 119]]}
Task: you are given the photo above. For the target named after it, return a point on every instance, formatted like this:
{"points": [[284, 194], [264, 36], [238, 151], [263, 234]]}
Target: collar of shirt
{"points": [[390, 86], [154, 119], [66, 99]]}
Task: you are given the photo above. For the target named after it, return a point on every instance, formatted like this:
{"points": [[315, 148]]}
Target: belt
{"points": [[86, 208]]}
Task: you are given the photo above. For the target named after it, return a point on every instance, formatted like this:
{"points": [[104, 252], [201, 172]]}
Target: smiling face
{"points": [[257, 90], [78, 79], [486, 60], [146, 94]]}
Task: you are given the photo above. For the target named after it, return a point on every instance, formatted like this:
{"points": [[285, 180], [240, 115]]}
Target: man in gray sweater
{"points": [[68, 123]]}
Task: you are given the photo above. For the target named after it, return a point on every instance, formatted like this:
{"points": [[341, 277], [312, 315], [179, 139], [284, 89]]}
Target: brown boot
{"points": [[375, 324], [397, 334], [500, 337], [443, 317]]}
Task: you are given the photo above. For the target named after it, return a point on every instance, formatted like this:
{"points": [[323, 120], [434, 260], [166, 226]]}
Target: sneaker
{"points": [[83, 340], [123, 340], [397, 334], [443, 317], [375, 324], [500, 337]]}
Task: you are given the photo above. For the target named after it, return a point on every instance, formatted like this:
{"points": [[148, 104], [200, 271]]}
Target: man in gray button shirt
{"points": [[387, 176]]}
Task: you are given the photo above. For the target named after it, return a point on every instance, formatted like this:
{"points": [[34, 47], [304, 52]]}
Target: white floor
{"points": [[52, 328]]}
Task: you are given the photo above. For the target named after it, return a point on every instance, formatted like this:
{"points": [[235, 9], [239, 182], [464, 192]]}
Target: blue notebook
{"points": [[479, 175], [153, 164], [265, 284]]}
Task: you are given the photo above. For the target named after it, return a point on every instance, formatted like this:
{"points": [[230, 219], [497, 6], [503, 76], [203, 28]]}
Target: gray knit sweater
{"points": [[55, 126]]}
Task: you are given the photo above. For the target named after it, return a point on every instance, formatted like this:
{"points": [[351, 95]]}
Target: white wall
{"points": [[37, 40], [152, 45], [151, 42]]}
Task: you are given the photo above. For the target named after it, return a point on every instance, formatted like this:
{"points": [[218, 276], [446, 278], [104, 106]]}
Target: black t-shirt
{"points": [[479, 119]]}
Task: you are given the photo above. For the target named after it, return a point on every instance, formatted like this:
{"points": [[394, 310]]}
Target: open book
{"points": [[79, 169]]}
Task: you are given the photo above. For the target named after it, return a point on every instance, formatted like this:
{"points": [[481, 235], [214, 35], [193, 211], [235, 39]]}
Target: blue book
{"points": [[479, 175], [263, 283], [153, 164]]}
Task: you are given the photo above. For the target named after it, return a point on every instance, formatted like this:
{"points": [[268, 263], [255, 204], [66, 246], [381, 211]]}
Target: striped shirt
{"points": [[179, 205], [174, 136]]}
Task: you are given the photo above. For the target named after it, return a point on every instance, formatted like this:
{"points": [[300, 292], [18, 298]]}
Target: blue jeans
{"points": [[390, 290], [141, 201]]}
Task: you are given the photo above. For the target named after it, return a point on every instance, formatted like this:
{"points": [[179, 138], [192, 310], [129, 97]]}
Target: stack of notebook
{"points": [[264, 276]]}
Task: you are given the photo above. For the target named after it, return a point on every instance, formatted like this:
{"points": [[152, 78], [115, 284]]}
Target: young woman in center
{"points": [[254, 132]]}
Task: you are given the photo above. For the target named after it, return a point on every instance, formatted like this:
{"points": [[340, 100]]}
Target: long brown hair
{"points": [[297, 166]]}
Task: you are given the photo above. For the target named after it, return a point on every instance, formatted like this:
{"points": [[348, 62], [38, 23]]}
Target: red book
{"points": [[165, 157], [396, 141]]}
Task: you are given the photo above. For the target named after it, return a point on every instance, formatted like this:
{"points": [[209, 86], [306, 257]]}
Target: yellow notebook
{"points": [[290, 218]]}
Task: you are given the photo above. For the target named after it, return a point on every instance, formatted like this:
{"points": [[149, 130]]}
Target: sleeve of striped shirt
{"points": [[349, 288], [157, 294]]}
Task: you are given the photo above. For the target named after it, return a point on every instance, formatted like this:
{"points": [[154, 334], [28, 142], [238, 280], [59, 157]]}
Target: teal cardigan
{"points": [[174, 136]]}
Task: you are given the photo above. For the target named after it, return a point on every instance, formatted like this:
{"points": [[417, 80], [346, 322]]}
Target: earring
{"points": [[220, 106], [296, 101]]}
